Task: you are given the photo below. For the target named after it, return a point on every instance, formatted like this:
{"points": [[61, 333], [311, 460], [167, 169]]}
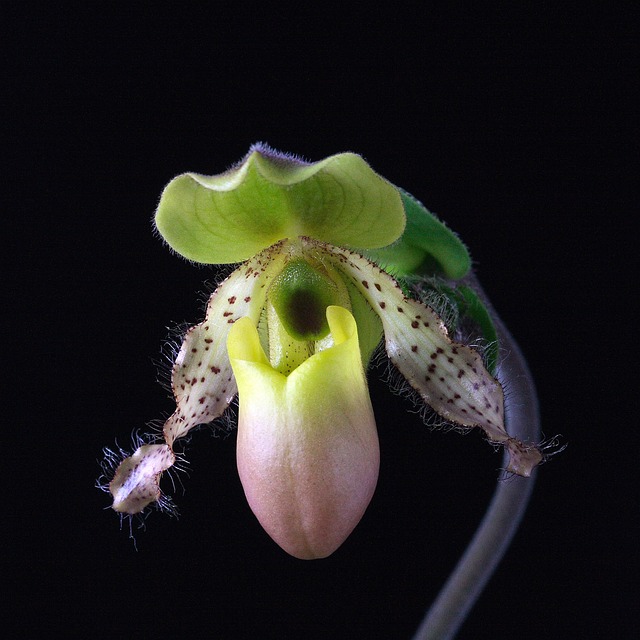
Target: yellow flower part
{"points": [[308, 453]]}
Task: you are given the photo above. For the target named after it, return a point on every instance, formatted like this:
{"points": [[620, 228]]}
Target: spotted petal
{"points": [[135, 483], [203, 382], [450, 377]]}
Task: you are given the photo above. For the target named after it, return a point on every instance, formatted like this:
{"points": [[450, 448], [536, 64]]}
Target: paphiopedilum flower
{"points": [[292, 331]]}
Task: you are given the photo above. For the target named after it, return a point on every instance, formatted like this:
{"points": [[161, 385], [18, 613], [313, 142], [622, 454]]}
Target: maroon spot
{"points": [[400, 310], [460, 373], [365, 284], [215, 370], [439, 350], [247, 299], [427, 379], [414, 348], [431, 368], [194, 351], [202, 379], [377, 286], [415, 324], [226, 314], [230, 321], [434, 355], [454, 350], [201, 401], [231, 300], [382, 304], [426, 324], [208, 340]]}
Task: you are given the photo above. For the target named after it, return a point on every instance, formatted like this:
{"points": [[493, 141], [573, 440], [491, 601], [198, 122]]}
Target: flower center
{"points": [[300, 295]]}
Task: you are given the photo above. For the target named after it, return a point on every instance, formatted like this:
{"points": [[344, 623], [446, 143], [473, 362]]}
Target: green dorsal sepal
{"points": [[300, 296], [270, 196]]}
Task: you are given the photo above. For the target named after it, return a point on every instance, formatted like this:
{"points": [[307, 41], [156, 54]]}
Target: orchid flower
{"points": [[328, 252]]}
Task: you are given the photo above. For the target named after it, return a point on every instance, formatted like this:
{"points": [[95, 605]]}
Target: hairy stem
{"points": [[506, 509]]}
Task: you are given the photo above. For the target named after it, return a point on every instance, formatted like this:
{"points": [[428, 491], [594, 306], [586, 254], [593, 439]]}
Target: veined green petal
{"points": [[450, 377], [271, 196], [427, 243], [308, 454]]}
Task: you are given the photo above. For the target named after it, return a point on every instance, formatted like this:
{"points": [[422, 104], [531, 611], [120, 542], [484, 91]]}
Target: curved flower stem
{"points": [[506, 509]]}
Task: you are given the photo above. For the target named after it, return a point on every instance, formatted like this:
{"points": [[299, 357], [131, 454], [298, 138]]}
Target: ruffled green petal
{"points": [[426, 246], [270, 196]]}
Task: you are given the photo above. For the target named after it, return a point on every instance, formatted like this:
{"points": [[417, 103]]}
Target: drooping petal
{"points": [[270, 196], [450, 377], [308, 454], [135, 483], [203, 382]]}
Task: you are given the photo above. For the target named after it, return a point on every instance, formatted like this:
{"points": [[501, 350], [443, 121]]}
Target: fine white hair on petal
{"points": [[450, 377], [202, 380]]}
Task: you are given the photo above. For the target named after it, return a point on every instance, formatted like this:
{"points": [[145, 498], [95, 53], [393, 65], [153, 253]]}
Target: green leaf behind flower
{"points": [[427, 246]]}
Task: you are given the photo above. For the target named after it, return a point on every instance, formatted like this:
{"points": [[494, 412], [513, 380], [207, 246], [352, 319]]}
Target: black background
{"points": [[512, 125]]}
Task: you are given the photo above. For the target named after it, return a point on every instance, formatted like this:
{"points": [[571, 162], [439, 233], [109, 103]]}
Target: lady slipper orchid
{"points": [[329, 252]]}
